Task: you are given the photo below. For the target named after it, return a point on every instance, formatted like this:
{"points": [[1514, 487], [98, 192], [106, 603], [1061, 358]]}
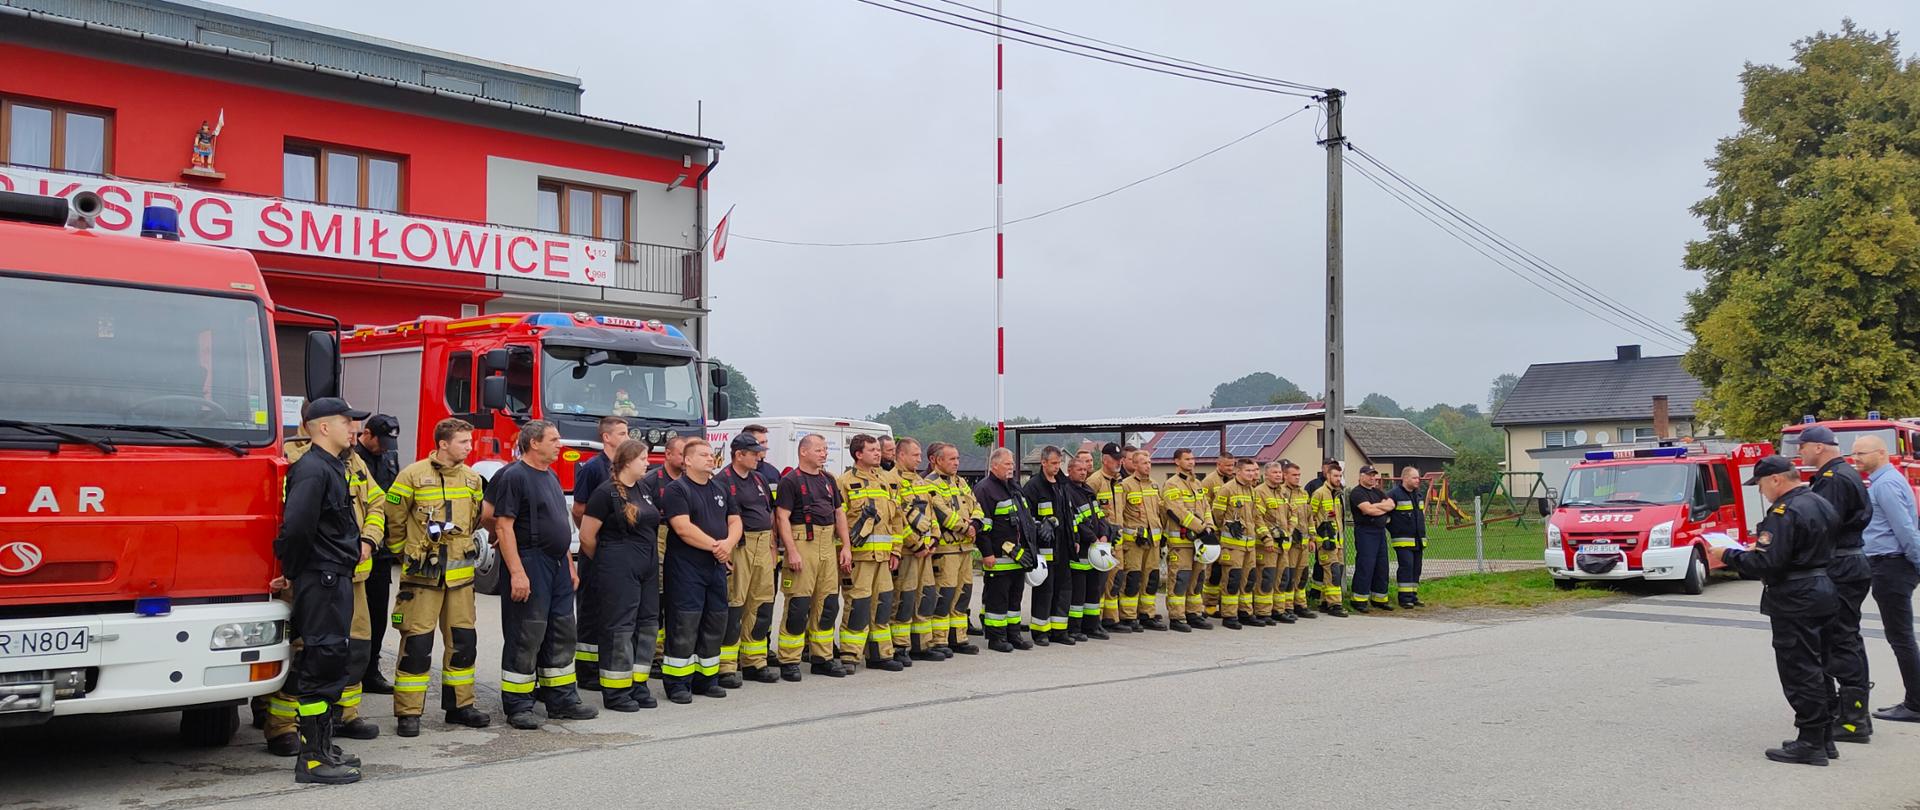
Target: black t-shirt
{"points": [[707, 505], [813, 498], [1364, 494], [588, 477], [538, 508], [606, 506], [753, 496]]}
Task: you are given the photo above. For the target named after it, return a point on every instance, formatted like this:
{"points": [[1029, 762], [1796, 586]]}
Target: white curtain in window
{"points": [[383, 184], [299, 178], [613, 217], [343, 179], [579, 212], [549, 204], [30, 139], [86, 143]]}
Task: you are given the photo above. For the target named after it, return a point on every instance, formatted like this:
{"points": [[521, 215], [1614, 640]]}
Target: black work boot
{"points": [[997, 641], [357, 729], [1305, 612], [1231, 622], [468, 716], [1383, 605], [1111, 626], [903, 657], [1286, 617], [966, 648], [285, 745], [1178, 626], [1095, 629], [1019, 639], [1337, 611], [1852, 722], [1040, 638], [1063, 638], [884, 664], [1153, 623], [1198, 621], [1799, 752], [1358, 607], [790, 673], [732, 680], [315, 763], [828, 667]]}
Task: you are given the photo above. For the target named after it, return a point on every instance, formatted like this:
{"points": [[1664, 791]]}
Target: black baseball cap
{"points": [[745, 441], [1367, 469], [1110, 449], [1771, 465], [330, 406], [1818, 434], [384, 428]]}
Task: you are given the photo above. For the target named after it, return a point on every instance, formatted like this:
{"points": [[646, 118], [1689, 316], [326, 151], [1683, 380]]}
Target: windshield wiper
{"points": [[236, 448], [1635, 501], [45, 429]]}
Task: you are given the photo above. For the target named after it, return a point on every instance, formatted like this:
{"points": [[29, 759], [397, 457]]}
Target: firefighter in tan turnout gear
{"points": [[1327, 538], [1188, 519], [1105, 484], [873, 527], [950, 501], [432, 510], [1140, 534], [1242, 518], [1273, 601]]}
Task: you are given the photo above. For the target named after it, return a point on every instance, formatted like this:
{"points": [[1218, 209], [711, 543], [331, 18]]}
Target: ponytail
{"points": [[622, 456]]}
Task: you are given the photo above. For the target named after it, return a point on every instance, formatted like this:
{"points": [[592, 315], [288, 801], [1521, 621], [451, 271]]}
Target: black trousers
{"points": [[697, 619], [1406, 577], [586, 606], [626, 584], [322, 616], [1846, 652], [379, 603], [536, 654], [1369, 564], [1798, 649], [1040, 609], [1894, 579], [1000, 601]]}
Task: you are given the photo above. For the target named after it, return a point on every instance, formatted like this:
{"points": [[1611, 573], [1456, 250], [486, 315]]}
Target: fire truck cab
{"points": [[1642, 512], [140, 471], [1902, 437]]}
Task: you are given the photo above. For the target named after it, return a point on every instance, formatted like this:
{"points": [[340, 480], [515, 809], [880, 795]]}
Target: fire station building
{"points": [[374, 182]]}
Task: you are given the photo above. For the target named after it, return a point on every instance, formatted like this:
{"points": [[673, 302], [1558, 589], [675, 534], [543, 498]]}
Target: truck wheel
{"points": [[1696, 580], [1566, 584], [209, 728]]}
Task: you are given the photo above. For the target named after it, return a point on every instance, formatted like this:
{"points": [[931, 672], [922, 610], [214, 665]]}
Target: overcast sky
{"points": [[1579, 132]]}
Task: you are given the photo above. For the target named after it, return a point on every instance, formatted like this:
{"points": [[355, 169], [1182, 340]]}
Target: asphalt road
{"points": [[1655, 701]]}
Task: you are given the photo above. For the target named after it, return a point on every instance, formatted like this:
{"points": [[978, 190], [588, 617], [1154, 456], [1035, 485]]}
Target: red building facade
{"points": [[374, 182]]}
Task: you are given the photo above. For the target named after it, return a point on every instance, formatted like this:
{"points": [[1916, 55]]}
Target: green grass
{"points": [[1506, 589], [1504, 541]]}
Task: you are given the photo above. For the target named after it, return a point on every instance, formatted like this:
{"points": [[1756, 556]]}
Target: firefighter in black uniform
{"points": [[1006, 540], [1839, 483], [1792, 548], [1407, 526], [318, 547], [1046, 494]]}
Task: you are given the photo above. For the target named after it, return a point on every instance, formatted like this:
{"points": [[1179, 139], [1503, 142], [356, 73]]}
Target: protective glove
{"points": [[1325, 529], [1328, 544], [1298, 535], [1236, 528]]}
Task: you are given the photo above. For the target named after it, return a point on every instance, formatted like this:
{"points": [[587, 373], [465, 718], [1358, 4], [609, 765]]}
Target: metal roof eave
{"points": [[1200, 421], [604, 123]]}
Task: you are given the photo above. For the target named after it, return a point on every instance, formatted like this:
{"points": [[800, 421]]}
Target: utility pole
{"points": [[999, 235], [1335, 438]]}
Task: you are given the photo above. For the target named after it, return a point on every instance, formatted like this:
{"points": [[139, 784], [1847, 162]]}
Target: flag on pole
{"points": [[221, 124], [719, 237]]}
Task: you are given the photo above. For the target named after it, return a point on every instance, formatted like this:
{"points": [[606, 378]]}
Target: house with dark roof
{"points": [[1386, 443], [1557, 409]]}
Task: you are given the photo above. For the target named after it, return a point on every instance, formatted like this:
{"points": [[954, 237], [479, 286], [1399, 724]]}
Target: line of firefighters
{"points": [[875, 565]]}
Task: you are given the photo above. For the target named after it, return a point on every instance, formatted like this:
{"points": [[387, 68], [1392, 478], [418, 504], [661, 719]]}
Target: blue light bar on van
{"points": [[549, 319], [1644, 452], [1873, 415], [152, 606]]}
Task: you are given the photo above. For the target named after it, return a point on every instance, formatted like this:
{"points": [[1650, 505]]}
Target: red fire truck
{"points": [[1642, 512], [140, 470], [1902, 437], [498, 371]]}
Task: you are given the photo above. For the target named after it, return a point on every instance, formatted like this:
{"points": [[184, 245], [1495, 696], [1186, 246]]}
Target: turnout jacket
{"points": [[426, 495], [1186, 509], [364, 486], [1088, 521], [1008, 532], [1407, 522], [1048, 501]]}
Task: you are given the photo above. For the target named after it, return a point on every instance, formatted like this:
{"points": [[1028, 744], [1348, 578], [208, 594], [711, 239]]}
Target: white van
{"points": [[784, 432]]}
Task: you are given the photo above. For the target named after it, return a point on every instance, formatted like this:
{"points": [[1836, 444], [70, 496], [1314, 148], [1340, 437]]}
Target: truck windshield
{"points": [[596, 382], [1628, 484], [134, 362], [1790, 442]]}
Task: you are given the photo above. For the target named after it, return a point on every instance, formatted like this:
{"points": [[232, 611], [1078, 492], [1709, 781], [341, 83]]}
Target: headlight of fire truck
{"points": [[1661, 536], [241, 635], [1553, 536]]}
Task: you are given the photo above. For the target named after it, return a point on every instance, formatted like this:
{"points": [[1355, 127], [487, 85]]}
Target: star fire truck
{"points": [[499, 371], [140, 471], [1643, 512]]}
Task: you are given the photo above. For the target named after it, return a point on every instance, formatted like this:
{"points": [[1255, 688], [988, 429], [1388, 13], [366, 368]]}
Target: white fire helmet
{"points": [[1101, 557], [1038, 574], [1209, 553]]}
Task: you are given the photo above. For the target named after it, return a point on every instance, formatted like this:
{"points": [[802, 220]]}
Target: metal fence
{"points": [[658, 269]]}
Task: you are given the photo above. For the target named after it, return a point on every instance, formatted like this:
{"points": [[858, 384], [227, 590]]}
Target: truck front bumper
{"points": [[1655, 564]]}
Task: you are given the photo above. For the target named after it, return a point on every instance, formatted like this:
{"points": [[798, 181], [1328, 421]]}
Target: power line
{"points": [[989, 30], [1159, 58], [1505, 245], [1057, 209], [1464, 237]]}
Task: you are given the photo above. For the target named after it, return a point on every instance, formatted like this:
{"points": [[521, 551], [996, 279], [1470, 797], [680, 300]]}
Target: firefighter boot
{"points": [[1852, 723], [332, 729], [315, 764], [1799, 752], [1285, 617], [1094, 628], [1017, 636], [997, 640], [1199, 621], [1304, 612]]}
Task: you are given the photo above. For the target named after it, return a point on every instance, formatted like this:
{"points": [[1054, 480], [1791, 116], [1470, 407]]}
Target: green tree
{"points": [[1497, 393], [984, 436], [1811, 260], [1473, 472], [745, 401], [1258, 388], [934, 422], [1380, 405]]}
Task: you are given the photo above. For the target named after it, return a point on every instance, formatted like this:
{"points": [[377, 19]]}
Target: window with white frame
{"points": [[1553, 438]]}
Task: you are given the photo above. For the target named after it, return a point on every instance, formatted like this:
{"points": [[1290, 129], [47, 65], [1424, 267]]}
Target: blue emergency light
{"points": [[1644, 452], [1807, 419], [1873, 415], [152, 605], [160, 222]]}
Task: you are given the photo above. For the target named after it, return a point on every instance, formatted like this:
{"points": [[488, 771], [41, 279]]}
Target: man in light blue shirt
{"points": [[1892, 543]]}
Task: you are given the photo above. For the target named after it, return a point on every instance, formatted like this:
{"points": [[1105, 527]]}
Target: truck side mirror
{"points": [[494, 360], [493, 392], [323, 365], [1714, 501], [722, 405], [718, 374]]}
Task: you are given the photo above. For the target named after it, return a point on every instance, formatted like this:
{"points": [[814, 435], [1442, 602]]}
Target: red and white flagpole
{"points": [[999, 223]]}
